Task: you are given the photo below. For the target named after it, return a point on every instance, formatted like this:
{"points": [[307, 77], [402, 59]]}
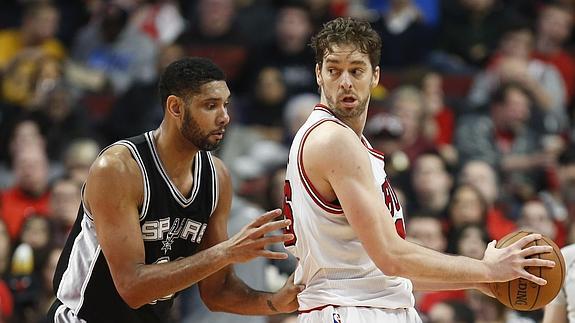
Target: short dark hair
{"points": [[346, 30], [500, 94], [185, 76]]}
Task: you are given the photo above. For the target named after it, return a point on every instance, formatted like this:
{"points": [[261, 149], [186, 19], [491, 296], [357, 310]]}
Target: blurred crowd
{"points": [[474, 113]]}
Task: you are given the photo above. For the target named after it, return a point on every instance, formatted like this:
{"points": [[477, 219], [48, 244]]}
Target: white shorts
{"points": [[332, 314]]}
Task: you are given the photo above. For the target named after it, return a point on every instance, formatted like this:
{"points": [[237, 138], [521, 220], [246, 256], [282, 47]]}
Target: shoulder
{"points": [[222, 171], [116, 165], [331, 137]]}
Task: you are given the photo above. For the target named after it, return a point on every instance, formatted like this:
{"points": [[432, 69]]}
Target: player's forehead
{"points": [[345, 54], [214, 90]]}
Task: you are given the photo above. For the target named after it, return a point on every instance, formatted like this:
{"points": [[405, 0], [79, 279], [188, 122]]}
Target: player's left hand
{"points": [[285, 299]]}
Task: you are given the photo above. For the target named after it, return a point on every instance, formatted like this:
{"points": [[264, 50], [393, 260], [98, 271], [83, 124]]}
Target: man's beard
{"points": [[342, 113], [192, 132]]}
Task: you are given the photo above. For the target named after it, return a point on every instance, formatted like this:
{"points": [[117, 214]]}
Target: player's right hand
{"points": [[252, 240], [509, 263]]}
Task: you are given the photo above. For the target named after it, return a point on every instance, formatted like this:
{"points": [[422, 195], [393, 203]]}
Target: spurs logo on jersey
{"points": [[186, 229], [333, 265]]}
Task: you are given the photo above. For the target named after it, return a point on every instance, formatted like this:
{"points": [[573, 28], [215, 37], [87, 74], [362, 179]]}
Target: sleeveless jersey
{"points": [[172, 227], [333, 264]]}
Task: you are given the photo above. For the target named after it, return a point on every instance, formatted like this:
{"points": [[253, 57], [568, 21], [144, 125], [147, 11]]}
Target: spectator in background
{"points": [[288, 52], [469, 240], [553, 29], [79, 155], [139, 108], [431, 184], [466, 206], [427, 231], [482, 176], [469, 31], [108, 46], [214, 34], [30, 192], [440, 119], [406, 37], [535, 217], [296, 111], [451, 312], [512, 62], [504, 139], [407, 104], [64, 201], [34, 38]]}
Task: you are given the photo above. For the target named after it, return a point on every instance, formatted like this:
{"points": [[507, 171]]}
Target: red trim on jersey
{"points": [[377, 154], [311, 190], [324, 108]]}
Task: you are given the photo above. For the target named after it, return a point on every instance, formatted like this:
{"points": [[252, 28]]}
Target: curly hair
{"points": [[346, 30], [185, 76]]}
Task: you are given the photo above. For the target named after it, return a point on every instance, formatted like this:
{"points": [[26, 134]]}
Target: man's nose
{"points": [[346, 81]]}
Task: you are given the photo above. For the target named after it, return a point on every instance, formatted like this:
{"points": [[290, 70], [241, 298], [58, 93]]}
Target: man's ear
{"points": [[318, 78], [174, 105], [375, 77]]}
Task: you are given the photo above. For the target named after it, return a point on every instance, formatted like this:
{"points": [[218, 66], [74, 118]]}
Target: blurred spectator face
{"points": [[26, 135], [426, 231], [31, 170], [517, 43], [555, 24], [441, 313], [64, 201], [270, 87], [481, 175], [408, 107], [432, 89], [36, 232], [466, 206], [42, 22], [535, 217], [297, 110], [216, 16], [79, 157], [471, 243], [514, 112], [429, 176], [293, 28]]}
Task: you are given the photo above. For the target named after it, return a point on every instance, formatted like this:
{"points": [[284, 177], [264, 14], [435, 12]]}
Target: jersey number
{"points": [[288, 213], [393, 205]]}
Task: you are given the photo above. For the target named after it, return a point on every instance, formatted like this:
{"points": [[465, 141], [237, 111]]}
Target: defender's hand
{"points": [[251, 241], [285, 299]]}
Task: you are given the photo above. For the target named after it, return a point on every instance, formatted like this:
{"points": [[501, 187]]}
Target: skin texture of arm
{"points": [[224, 291], [555, 313], [114, 192], [350, 179]]}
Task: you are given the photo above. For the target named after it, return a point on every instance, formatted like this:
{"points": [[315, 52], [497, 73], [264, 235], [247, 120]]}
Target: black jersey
{"points": [[172, 227]]}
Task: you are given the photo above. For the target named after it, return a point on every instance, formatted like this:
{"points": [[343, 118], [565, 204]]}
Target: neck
{"points": [[175, 152]]}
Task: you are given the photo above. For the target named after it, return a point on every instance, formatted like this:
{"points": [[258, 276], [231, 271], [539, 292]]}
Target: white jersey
{"points": [[333, 265]]}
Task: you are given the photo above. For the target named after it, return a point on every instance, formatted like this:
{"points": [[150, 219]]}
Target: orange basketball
{"points": [[523, 295]]}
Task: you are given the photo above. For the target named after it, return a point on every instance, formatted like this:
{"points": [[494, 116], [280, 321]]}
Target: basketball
{"points": [[523, 295]]}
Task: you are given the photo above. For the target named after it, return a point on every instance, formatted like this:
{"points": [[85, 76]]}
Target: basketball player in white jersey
{"points": [[562, 308], [347, 220]]}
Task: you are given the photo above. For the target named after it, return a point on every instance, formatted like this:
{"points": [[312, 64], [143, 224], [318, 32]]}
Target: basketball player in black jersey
{"points": [[153, 218]]}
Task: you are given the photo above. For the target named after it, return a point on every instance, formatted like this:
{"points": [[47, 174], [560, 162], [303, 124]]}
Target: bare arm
{"points": [[352, 182], [555, 313], [114, 192], [224, 291]]}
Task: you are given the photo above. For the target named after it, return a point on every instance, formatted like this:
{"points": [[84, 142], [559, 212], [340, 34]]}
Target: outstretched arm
{"points": [[114, 193], [353, 184], [224, 291]]}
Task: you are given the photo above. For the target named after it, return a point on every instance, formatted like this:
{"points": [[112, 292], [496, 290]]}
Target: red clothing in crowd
{"points": [[15, 206]]}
